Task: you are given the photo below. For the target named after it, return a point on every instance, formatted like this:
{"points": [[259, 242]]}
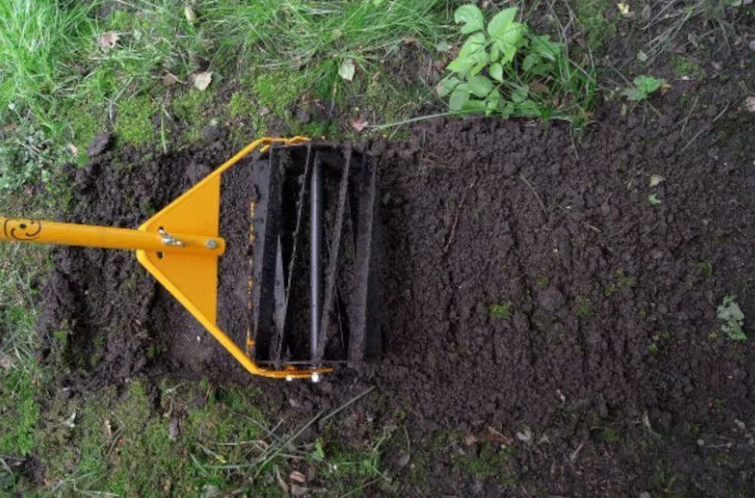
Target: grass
{"points": [[591, 15], [488, 461], [39, 45], [296, 33], [502, 311], [20, 375]]}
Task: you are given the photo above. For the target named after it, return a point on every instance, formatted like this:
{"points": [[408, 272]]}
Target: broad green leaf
{"points": [[530, 61], [509, 41], [472, 18], [459, 97], [633, 94], [347, 69], [507, 110], [491, 103], [543, 69], [496, 71], [545, 48], [520, 94], [495, 53], [648, 84], [502, 22], [447, 85], [480, 86], [528, 109], [474, 105], [472, 53], [479, 67]]}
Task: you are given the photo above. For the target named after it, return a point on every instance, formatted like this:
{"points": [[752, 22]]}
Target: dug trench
{"points": [[544, 293]]}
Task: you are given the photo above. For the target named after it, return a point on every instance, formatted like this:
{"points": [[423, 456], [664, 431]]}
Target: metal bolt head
{"points": [[289, 378], [211, 244], [315, 378]]}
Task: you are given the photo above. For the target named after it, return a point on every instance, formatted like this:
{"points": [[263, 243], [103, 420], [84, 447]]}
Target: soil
{"points": [[533, 297]]}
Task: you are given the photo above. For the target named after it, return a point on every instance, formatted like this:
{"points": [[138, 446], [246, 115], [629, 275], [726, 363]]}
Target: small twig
{"points": [[718, 116], [452, 232], [347, 404], [542, 205], [360, 488], [686, 120], [290, 440]]}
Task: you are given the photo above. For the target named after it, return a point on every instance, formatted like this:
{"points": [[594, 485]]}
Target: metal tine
{"points": [[300, 207], [330, 272], [364, 323], [315, 254]]}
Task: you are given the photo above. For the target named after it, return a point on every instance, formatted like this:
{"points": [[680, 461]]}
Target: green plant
{"points": [[39, 41], [732, 318], [653, 200], [502, 311], [583, 306], [543, 282], [27, 158], [506, 69], [643, 87]]}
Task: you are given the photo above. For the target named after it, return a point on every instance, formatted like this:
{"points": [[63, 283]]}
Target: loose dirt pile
{"points": [[551, 292]]}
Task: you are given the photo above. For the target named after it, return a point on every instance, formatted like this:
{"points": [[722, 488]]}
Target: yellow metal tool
{"points": [[179, 246]]}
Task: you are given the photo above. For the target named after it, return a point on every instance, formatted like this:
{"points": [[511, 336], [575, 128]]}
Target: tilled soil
{"points": [[535, 296]]}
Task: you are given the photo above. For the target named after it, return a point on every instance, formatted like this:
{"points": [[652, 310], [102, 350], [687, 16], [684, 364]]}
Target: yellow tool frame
{"points": [[179, 246]]}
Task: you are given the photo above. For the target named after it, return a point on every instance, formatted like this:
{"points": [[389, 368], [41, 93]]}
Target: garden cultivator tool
{"points": [[305, 312]]}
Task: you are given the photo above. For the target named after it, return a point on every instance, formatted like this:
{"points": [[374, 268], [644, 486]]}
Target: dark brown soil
{"points": [[610, 374], [534, 299]]}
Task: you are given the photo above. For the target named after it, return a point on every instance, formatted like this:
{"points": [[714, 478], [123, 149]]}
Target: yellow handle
{"points": [[70, 234]]}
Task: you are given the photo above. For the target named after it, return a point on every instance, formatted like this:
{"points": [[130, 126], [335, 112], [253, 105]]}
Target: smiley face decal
{"points": [[22, 229]]}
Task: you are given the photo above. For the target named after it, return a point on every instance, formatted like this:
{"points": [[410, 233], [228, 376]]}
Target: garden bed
{"points": [[548, 295]]}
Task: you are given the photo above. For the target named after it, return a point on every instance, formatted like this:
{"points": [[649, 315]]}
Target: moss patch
{"points": [[486, 461], [19, 412], [591, 15], [686, 67], [502, 311], [134, 124]]}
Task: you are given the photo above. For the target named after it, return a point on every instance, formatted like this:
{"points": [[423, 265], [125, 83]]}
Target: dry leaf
{"points": [[750, 104], [298, 490], [190, 15], [347, 69], [170, 79], [73, 149], [109, 39], [647, 12], [470, 439], [202, 80], [297, 476], [494, 436], [359, 124], [404, 461], [656, 180], [280, 480], [6, 362], [264, 111]]}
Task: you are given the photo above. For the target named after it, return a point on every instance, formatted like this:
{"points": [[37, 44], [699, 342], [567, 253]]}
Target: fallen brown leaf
{"points": [[109, 39], [170, 79], [359, 124], [656, 180], [298, 490], [202, 80], [470, 440], [297, 476], [496, 437]]}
